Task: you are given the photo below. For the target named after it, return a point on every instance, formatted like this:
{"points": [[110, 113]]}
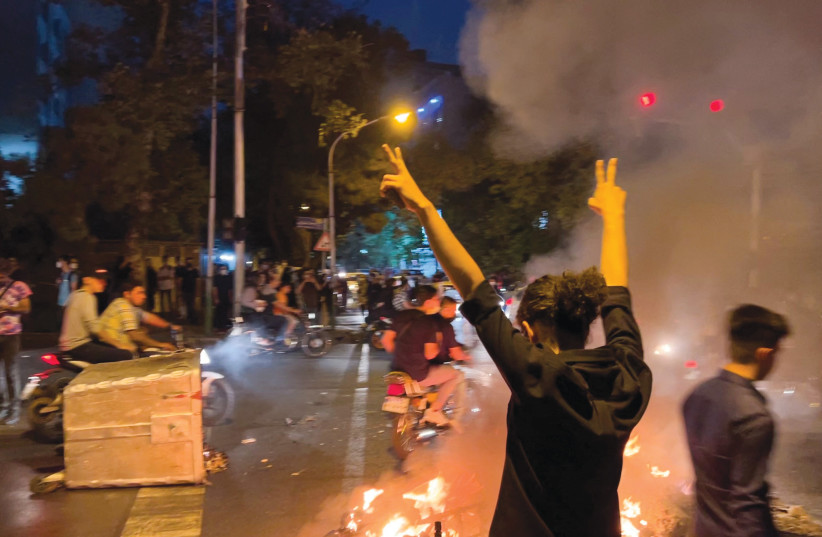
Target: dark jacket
{"points": [[569, 418], [730, 435]]}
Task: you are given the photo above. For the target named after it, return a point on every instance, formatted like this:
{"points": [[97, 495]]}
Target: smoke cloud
{"points": [[721, 206]]}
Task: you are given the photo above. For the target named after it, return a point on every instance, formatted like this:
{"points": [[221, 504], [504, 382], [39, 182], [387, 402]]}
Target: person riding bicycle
{"points": [[121, 322], [80, 335], [415, 340]]}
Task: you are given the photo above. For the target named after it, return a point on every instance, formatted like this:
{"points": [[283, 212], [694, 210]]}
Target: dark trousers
{"points": [[9, 347], [150, 299], [97, 353], [189, 297], [165, 301], [221, 312]]}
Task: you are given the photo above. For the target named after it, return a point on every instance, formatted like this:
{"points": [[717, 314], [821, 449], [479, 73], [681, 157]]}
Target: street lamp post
{"points": [[332, 228]]}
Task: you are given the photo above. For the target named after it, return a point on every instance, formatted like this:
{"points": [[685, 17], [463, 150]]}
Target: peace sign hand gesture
{"points": [[608, 199], [401, 183]]}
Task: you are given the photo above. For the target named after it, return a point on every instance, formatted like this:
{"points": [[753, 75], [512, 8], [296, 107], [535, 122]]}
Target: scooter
{"points": [[407, 402], [310, 336], [43, 394]]}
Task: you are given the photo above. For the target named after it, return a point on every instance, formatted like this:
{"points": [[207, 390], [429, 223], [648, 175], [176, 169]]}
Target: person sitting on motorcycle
{"points": [[415, 339], [80, 335], [450, 348], [282, 309], [121, 321]]}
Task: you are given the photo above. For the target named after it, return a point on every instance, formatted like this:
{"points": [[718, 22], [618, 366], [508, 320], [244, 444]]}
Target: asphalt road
{"points": [[308, 438]]}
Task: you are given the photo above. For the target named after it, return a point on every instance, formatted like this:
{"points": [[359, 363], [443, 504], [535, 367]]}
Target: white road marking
{"points": [[355, 453], [166, 511], [362, 370]]}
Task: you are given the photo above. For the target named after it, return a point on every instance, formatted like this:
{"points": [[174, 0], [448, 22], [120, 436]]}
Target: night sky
{"points": [[433, 25]]}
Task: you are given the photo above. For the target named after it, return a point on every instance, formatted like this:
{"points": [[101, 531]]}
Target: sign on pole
{"points": [[307, 222], [324, 244]]}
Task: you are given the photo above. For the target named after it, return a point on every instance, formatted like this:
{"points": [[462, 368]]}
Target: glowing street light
{"points": [[401, 118]]}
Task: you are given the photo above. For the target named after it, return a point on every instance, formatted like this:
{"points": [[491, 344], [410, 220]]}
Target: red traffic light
{"points": [[647, 99], [717, 105]]}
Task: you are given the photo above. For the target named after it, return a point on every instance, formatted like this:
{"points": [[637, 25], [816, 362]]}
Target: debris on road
{"points": [[248, 440], [794, 520]]}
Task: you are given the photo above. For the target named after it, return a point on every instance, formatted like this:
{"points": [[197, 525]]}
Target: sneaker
{"points": [[436, 417]]}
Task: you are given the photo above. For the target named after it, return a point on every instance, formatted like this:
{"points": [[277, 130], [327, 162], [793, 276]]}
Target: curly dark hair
{"points": [[569, 302]]}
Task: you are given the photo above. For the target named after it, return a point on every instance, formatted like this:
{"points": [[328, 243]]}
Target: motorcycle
{"points": [[310, 336], [407, 401], [43, 394]]}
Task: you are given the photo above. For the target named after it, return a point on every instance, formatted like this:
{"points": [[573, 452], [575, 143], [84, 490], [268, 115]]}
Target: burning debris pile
{"points": [[667, 505], [656, 505], [429, 517]]}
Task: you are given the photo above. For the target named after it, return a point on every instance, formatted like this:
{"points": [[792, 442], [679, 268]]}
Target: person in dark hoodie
{"points": [[572, 410]]}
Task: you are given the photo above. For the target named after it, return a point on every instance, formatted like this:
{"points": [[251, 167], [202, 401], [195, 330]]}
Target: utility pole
{"points": [[212, 179], [239, 158], [756, 208]]}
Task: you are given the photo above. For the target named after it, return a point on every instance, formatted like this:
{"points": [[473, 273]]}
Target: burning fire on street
{"points": [[429, 501]]}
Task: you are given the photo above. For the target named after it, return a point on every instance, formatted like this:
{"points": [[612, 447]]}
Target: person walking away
{"points": [[731, 431], [414, 339], [67, 281], [122, 321], [188, 286], [223, 292], [165, 284], [152, 281], [572, 409], [80, 335], [14, 301]]}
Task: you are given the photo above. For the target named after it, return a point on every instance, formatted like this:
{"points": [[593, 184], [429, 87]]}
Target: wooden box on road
{"points": [[135, 423]]}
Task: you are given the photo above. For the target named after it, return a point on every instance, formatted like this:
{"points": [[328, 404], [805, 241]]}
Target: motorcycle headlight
{"points": [[312, 316], [205, 359]]}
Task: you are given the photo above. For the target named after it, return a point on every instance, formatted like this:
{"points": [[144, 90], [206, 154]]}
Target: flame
{"points": [[351, 524], [630, 509], [429, 502], [399, 526], [368, 498], [632, 447], [432, 501], [656, 472]]}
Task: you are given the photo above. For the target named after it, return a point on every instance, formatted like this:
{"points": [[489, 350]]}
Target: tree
{"points": [[126, 166]]}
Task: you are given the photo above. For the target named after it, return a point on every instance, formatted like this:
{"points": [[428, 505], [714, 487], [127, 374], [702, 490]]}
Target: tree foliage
{"points": [[134, 164]]}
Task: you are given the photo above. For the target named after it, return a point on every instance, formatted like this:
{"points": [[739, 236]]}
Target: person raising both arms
{"points": [[571, 410]]}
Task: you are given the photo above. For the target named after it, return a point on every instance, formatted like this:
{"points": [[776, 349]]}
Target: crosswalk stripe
{"points": [[166, 512]]}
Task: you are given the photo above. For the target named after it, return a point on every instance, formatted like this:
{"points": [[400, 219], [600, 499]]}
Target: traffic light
{"points": [[717, 105], [647, 99]]}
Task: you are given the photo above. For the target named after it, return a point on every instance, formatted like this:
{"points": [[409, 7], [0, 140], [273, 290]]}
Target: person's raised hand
{"points": [[608, 199], [402, 183]]}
